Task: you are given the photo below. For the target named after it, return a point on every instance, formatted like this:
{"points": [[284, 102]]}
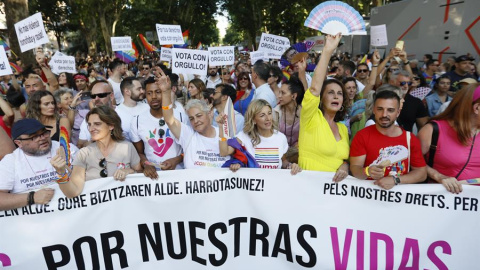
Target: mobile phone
{"points": [[85, 96], [399, 44]]}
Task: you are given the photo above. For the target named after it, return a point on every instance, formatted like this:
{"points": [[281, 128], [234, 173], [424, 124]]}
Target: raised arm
{"points": [[167, 104], [52, 79], [393, 52], [331, 43], [302, 75], [373, 74]]}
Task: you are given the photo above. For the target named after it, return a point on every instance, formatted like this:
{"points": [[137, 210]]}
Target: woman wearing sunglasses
{"points": [[245, 93], [108, 156]]}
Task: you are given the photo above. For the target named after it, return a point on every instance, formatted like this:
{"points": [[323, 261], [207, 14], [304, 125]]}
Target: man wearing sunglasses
{"points": [[28, 168], [102, 95], [145, 70], [362, 73], [413, 110]]}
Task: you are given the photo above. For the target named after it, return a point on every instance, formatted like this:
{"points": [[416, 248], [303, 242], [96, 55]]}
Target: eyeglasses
{"points": [[101, 95], [272, 75], [145, 68], [362, 70], [243, 79], [416, 78], [403, 83], [37, 137], [161, 132], [103, 164]]}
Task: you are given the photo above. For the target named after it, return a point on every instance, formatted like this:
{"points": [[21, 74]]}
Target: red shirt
{"points": [[370, 142]]}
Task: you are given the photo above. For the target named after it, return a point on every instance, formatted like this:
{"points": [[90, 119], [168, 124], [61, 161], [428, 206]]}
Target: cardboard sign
{"points": [[189, 61], [166, 54], [229, 126], [5, 68], [169, 34], [378, 35], [62, 63], [221, 56], [31, 32], [273, 45], [121, 43], [258, 55]]}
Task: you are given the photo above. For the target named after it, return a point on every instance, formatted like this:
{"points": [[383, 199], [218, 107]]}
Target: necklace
{"points": [[293, 124]]}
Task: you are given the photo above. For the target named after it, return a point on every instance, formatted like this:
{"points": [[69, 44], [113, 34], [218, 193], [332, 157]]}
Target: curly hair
{"points": [[34, 102], [249, 127], [340, 115]]}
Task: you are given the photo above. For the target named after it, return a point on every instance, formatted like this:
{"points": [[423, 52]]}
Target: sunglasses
{"points": [[145, 68], [244, 78], [403, 83], [103, 164], [393, 69], [101, 95], [161, 132], [362, 70], [272, 75], [416, 78]]}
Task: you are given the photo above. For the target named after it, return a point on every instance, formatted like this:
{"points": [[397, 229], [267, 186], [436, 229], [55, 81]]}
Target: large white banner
{"points": [[189, 61], [31, 32], [252, 219]]}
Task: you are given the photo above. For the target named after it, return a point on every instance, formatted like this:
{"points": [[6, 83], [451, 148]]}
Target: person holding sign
{"points": [[385, 152], [323, 140], [456, 156], [200, 141], [261, 138], [109, 155]]}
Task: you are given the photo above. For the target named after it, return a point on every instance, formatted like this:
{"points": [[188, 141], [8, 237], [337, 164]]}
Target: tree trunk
{"points": [[17, 10], [106, 34]]}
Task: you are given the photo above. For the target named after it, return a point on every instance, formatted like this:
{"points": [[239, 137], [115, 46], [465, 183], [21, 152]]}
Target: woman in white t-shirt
{"points": [[109, 154], [200, 140], [261, 138]]}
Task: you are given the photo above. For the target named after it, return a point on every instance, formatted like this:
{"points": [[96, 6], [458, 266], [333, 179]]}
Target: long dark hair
{"points": [[33, 104], [340, 115]]}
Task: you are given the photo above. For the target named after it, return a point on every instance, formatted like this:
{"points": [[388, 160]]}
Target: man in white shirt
{"points": [[133, 93], [28, 167], [260, 74], [118, 69], [213, 77], [220, 98]]}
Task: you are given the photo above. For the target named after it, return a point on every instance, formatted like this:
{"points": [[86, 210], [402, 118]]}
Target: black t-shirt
{"points": [[455, 78], [413, 108]]}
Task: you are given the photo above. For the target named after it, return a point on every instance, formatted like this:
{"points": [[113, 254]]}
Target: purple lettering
{"points": [[411, 246], [446, 249], [374, 238], [343, 262]]}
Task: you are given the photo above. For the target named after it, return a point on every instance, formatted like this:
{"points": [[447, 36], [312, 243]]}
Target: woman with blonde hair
{"points": [[261, 138]]}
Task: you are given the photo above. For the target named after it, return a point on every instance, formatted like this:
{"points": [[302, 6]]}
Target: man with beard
{"points": [[118, 69], [101, 94], [213, 77], [220, 97], [133, 93], [151, 136], [385, 152], [28, 167]]}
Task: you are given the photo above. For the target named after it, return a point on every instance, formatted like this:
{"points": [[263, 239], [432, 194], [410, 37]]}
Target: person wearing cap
{"points": [[462, 71], [457, 153], [28, 168]]}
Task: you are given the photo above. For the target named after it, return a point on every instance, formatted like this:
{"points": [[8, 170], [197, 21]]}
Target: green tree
{"points": [[17, 11]]}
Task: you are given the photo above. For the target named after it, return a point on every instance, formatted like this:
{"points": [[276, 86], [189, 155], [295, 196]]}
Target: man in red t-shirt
{"points": [[383, 152]]}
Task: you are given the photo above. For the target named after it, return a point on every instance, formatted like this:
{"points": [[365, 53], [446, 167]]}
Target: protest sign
{"points": [[258, 55], [251, 219], [5, 68], [31, 32], [221, 56], [274, 46], [62, 63], [378, 35], [121, 43], [169, 34], [189, 61], [166, 54]]}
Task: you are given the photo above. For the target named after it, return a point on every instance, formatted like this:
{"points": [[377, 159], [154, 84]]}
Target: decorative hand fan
{"points": [[420, 92], [332, 17], [392, 154], [65, 144]]}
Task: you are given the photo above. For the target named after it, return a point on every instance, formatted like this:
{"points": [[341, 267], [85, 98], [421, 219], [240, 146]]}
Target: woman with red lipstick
{"points": [[43, 107], [323, 141]]}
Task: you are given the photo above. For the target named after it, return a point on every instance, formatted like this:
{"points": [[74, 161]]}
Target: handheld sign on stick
{"points": [[229, 125]]}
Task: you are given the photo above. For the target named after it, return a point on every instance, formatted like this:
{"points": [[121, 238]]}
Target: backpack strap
{"points": [[433, 144], [409, 136]]}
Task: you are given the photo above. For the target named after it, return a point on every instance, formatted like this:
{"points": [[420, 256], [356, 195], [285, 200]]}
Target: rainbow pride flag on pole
{"points": [[4, 44], [15, 68], [128, 56], [148, 46]]}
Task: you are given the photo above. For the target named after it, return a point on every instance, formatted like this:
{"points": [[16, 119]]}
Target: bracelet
{"points": [[31, 198], [223, 139], [63, 179], [366, 171], [73, 108], [374, 65], [406, 63], [167, 107]]}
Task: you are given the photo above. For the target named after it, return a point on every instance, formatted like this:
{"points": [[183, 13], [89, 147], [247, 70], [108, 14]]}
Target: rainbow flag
{"points": [[4, 44], [128, 56], [286, 75], [65, 144], [15, 68], [149, 47], [199, 46]]}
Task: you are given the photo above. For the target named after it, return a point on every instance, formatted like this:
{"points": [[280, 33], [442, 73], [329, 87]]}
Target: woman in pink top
{"points": [[457, 156]]}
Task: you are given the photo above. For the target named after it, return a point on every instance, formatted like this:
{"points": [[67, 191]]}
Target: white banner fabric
{"points": [[251, 219]]}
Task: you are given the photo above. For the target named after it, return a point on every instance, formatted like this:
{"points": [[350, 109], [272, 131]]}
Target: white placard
{"points": [[221, 56], [258, 55], [31, 32], [273, 45], [63, 63], [189, 61], [121, 43], [169, 34], [5, 68], [378, 35], [166, 54]]}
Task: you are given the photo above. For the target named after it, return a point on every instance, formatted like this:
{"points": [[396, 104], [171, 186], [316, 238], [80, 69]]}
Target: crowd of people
{"points": [[347, 117]]}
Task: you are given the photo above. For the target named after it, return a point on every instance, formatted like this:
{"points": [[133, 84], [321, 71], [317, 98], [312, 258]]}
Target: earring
{"points": [[341, 108], [111, 132]]}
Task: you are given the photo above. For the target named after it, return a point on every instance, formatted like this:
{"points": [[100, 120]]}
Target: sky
{"points": [[222, 24]]}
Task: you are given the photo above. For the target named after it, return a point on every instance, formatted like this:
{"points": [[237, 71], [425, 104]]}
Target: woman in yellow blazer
{"points": [[323, 140]]}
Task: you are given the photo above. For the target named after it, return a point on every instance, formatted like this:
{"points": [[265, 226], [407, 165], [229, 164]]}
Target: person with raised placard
{"points": [[200, 141], [450, 142], [385, 152], [323, 140]]}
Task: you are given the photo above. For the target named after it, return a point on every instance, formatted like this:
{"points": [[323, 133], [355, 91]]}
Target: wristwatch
{"points": [[396, 179]]}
